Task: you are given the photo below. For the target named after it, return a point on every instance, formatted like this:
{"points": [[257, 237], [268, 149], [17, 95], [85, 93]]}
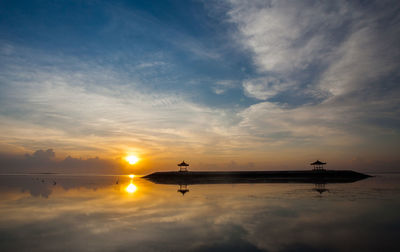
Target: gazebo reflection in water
{"points": [[183, 188], [320, 187]]}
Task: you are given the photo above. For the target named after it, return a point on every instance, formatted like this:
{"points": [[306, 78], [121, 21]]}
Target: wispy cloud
{"points": [[222, 86], [264, 88]]}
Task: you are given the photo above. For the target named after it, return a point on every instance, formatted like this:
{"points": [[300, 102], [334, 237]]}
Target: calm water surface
{"points": [[93, 213]]}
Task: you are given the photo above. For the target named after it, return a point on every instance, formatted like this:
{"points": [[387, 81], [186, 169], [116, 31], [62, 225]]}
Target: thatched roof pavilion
{"points": [[183, 166], [318, 165]]}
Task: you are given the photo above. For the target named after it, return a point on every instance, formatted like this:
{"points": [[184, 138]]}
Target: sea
{"points": [[64, 212]]}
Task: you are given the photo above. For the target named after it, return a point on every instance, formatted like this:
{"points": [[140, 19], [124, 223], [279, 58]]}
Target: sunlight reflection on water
{"points": [[131, 188]]}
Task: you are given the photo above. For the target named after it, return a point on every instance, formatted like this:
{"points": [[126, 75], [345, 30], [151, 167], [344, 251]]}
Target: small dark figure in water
{"points": [[42, 180], [54, 182]]}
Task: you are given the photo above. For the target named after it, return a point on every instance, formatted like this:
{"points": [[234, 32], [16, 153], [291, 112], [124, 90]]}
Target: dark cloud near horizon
{"points": [[42, 161], [41, 155]]}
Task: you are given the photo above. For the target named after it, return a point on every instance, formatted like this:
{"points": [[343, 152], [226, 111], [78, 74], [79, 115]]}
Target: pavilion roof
{"points": [[318, 163], [183, 164]]}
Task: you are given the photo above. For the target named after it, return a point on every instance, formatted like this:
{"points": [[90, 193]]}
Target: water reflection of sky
{"points": [[49, 212]]}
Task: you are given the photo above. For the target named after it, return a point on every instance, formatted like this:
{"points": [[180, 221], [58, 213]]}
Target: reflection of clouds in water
{"points": [[209, 218], [43, 185], [319, 225], [36, 186], [38, 189]]}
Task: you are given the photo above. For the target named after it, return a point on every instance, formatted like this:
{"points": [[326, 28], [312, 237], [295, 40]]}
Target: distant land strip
{"points": [[306, 176]]}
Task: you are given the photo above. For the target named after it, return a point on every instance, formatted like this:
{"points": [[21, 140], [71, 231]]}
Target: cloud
{"points": [[222, 86], [333, 46], [264, 88], [363, 61], [159, 30], [46, 161], [151, 64], [288, 36], [42, 155], [274, 124]]}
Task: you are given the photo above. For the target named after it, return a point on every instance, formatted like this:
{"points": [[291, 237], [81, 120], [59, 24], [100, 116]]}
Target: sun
{"points": [[132, 159]]}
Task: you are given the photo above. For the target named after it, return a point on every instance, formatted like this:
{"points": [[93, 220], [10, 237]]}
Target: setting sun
{"points": [[132, 159]]}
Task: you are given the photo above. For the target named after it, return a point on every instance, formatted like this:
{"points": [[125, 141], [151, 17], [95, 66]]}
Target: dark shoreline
{"points": [[306, 176]]}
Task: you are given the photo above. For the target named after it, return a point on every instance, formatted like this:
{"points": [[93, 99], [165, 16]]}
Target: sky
{"points": [[223, 85]]}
